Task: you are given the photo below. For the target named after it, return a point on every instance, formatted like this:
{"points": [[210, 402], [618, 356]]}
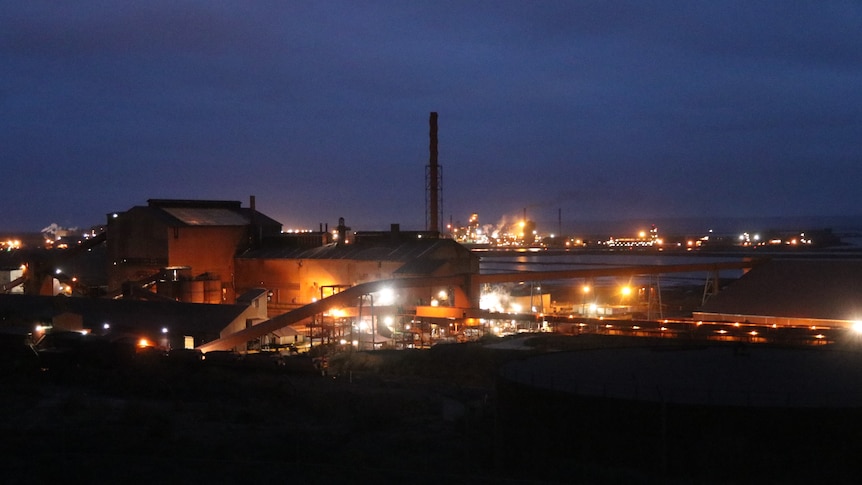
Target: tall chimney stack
{"points": [[255, 231], [433, 178]]}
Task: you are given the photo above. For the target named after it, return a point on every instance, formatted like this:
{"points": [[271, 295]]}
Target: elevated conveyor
{"points": [[344, 298], [469, 282]]}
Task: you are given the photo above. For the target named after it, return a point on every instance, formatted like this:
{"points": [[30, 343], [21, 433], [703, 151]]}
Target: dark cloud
{"points": [[598, 109]]}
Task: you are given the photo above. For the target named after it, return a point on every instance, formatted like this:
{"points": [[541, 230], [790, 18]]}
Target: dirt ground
{"points": [[415, 416]]}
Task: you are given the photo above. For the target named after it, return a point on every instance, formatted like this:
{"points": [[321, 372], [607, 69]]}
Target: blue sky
{"points": [[592, 110]]}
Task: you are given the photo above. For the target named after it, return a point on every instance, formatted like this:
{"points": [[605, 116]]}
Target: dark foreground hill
{"points": [[424, 416]]}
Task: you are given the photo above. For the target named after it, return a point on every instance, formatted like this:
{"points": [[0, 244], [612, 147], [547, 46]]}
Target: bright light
{"points": [[106, 326], [626, 290], [386, 296], [442, 295], [857, 326], [143, 343], [164, 329]]}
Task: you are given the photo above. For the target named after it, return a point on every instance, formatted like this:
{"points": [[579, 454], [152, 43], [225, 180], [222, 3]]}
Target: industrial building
{"points": [[210, 251], [296, 276], [188, 246], [791, 292], [165, 324]]}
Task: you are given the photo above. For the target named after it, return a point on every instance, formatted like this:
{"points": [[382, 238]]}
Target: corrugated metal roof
{"points": [[421, 266], [397, 251], [195, 216], [126, 314], [821, 289], [206, 213]]}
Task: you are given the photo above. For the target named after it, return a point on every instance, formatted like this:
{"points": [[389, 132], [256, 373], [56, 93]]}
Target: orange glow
{"points": [[143, 343]]}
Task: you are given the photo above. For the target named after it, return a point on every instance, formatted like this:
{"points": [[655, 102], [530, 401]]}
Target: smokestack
{"points": [[255, 236], [433, 178]]}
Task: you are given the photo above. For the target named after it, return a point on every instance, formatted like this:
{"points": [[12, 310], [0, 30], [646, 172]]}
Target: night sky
{"points": [[596, 109]]}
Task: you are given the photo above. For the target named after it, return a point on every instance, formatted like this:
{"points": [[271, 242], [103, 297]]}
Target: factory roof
{"points": [[124, 315], [213, 213], [404, 250], [817, 288]]}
